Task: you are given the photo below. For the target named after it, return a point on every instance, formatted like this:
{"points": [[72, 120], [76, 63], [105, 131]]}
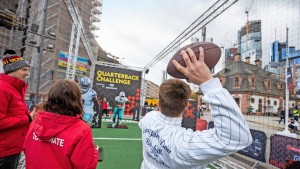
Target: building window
{"points": [[269, 86], [236, 81], [281, 86], [252, 100], [269, 102], [237, 100], [275, 103], [260, 105], [252, 82]]}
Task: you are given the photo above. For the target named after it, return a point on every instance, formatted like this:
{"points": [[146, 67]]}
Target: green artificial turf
{"points": [[133, 131], [119, 154]]}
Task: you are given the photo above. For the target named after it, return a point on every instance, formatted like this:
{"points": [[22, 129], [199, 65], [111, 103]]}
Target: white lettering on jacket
{"points": [[54, 140]]}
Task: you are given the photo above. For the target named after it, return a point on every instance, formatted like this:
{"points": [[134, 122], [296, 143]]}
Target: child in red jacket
{"points": [[59, 132]]}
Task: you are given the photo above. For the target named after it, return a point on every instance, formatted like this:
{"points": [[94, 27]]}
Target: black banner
{"points": [[285, 152], [257, 149], [190, 115], [110, 81]]}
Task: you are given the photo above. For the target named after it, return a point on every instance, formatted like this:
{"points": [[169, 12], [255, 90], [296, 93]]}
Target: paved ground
{"points": [[269, 125]]}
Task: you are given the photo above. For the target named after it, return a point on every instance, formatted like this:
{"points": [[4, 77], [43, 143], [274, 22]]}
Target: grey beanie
{"points": [[12, 62]]}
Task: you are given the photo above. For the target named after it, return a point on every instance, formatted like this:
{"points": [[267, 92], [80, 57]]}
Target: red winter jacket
{"points": [[14, 120], [60, 142], [104, 105]]}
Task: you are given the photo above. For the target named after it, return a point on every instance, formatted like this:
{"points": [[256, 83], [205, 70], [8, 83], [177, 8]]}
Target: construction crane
{"points": [[247, 23]]}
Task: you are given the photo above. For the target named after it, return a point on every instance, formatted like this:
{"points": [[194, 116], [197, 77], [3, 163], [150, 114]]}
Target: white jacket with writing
{"points": [[168, 145]]}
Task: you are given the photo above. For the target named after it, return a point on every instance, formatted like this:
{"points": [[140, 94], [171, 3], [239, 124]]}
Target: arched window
{"points": [[260, 105]]}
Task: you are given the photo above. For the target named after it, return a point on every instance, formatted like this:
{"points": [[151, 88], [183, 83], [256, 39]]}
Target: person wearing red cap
{"points": [[14, 115]]}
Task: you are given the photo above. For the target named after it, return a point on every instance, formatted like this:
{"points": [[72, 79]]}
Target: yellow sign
{"points": [[78, 67], [153, 102], [114, 77]]}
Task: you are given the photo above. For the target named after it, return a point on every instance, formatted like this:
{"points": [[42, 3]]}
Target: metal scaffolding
{"points": [[79, 31]]}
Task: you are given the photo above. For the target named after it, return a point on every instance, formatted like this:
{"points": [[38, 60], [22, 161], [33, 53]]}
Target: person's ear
{"points": [[158, 104], [187, 105]]}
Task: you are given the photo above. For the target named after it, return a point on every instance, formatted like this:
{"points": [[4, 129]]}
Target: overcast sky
{"points": [[137, 30]]}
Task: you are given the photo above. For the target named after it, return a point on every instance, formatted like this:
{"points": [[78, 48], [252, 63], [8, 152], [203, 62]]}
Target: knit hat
{"points": [[12, 62]]}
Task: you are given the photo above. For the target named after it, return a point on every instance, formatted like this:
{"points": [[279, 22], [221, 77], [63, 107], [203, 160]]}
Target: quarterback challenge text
{"points": [[113, 77]]}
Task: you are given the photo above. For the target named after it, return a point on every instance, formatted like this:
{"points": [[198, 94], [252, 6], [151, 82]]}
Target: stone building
{"points": [[254, 89]]}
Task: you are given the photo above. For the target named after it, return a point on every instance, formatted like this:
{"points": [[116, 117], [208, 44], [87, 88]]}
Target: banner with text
{"points": [[81, 66], [285, 152], [110, 81], [257, 149]]}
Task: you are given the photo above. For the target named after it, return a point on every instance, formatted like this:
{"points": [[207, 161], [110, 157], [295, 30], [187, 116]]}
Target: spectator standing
{"points": [[60, 132], [199, 112], [104, 107], [14, 115], [296, 113], [282, 116], [293, 125]]}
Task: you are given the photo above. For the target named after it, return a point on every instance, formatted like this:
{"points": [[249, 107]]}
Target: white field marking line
{"points": [[117, 139], [123, 121]]}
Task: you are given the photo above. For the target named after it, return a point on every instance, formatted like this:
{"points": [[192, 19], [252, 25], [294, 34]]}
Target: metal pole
{"points": [[286, 131], [40, 52], [142, 95], [286, 84]]}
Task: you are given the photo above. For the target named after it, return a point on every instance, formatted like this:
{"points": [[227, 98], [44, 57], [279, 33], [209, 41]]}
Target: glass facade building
{"points": [[250, 41]]}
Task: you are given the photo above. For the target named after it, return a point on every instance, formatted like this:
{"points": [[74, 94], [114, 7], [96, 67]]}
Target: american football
{"points": [[212, 54]]}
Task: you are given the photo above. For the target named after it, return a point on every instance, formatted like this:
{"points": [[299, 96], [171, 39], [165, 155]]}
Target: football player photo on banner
{"points": [[189, 116], [257, 150], [285, 152], [109, 82]]}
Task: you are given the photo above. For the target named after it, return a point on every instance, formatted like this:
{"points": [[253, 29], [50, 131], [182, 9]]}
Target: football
{"points": [[212, 54]]}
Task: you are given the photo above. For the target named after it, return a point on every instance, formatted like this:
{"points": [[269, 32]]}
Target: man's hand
{"points": [[196, 71]]}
